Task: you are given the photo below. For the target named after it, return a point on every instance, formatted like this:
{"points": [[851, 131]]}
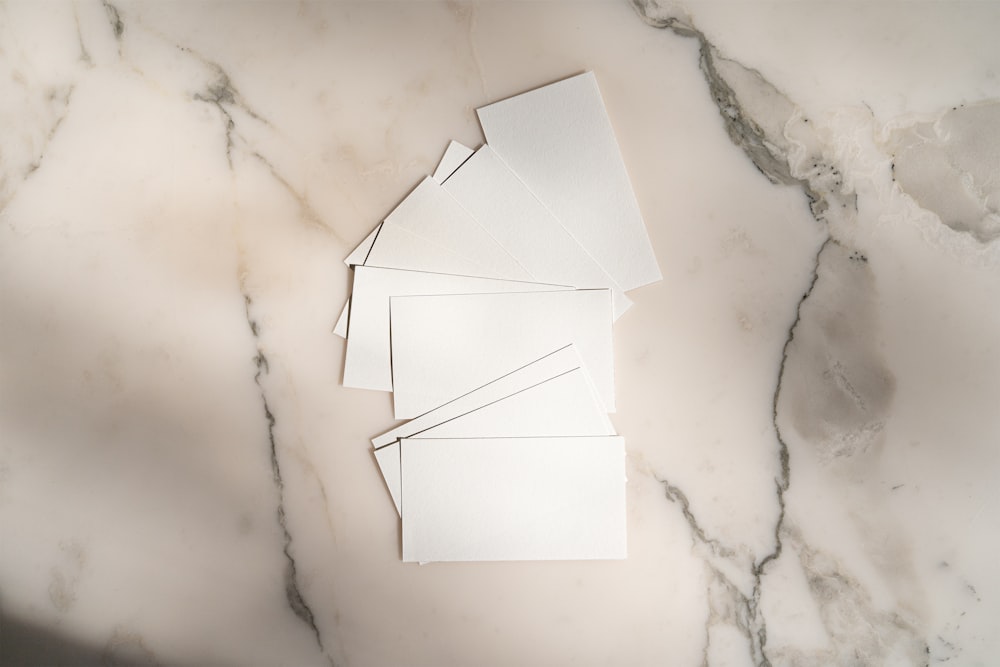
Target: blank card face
{"points": [[394, 247], [558, 139], [360, 254], [565, 405], [547, 367], [493, 499], [431, 213], [452, 159], [446, 346], [504, 206], [368, 362], [399, 248]]}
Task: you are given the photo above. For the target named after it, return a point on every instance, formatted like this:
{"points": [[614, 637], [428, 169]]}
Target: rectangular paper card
{"points": [[360, 254], [453, 158], [489, 499], [398, 248], [558, 139], [565, 405], [340, 328], [542, 369], [504, 206], [446, 346], [431, 213], [454, 155], [368, 362]]}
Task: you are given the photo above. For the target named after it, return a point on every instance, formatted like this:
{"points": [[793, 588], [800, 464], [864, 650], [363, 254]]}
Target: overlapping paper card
{"points": [[484, 302]]}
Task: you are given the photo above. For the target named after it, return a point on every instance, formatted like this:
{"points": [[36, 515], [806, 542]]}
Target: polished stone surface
{"points": [[809, 397]]}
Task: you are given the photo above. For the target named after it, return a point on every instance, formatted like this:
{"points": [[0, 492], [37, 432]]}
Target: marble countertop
{"points": [[809, 398]]}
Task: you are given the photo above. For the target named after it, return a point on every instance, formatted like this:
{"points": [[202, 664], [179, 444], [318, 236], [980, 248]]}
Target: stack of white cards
{"points": [[485, 303]]}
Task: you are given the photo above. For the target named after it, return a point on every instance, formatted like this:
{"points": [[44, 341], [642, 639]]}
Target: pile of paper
{"points": [[485, 303]]}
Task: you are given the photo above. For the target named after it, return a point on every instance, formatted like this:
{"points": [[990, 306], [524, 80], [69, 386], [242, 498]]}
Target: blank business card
{"points": [[446, 346], [368, 362], [558, 139], [564, 405], [503, 205], [490, 499]]}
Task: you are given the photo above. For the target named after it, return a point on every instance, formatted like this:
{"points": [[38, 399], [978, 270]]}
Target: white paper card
{"points": [[513, 499], [431, 213], [340, 328], [360, 254], [446, 346], [453, 158], [558, 139], [565, 405], [503, 205], [398, 248], [454, 155], [368, 361], [549, 366]]}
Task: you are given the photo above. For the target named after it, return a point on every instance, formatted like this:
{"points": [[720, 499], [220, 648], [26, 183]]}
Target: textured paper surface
{"points": [[340, 328], [558, 139], [431, 213], [452, 159], [454, 155], [368, 361], [564, 405], [519, 222], [360, 254], [546, 367], [473, 499], [399, 248], [446, 346]]}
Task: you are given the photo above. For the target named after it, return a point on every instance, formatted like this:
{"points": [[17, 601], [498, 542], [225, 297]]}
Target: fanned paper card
{"points": [[446, 346], [431, 213], [564, 405], [519, 222], [397, 248], [454, 155], [539, 370], [485, 301], [485, 499], [453, 158], [360, 254], [558, 139], [368, 364]]}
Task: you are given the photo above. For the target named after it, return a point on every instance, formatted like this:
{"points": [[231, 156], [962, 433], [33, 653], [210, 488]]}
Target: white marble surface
{"points": [[812, 479]]}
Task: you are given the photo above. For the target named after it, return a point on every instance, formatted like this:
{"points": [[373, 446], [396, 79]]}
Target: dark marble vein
{"points": [[756, 116], [675, 495], [293, 594], [860, 631], [62, 98], [221, 93], [115, 21]]}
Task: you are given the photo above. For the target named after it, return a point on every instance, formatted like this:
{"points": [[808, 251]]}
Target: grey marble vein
{"points": [[115, 21], [293, 594], [757, 117]]}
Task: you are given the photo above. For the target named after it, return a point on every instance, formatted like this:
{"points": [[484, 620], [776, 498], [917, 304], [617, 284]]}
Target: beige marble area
{"points": [[808, 398]]}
